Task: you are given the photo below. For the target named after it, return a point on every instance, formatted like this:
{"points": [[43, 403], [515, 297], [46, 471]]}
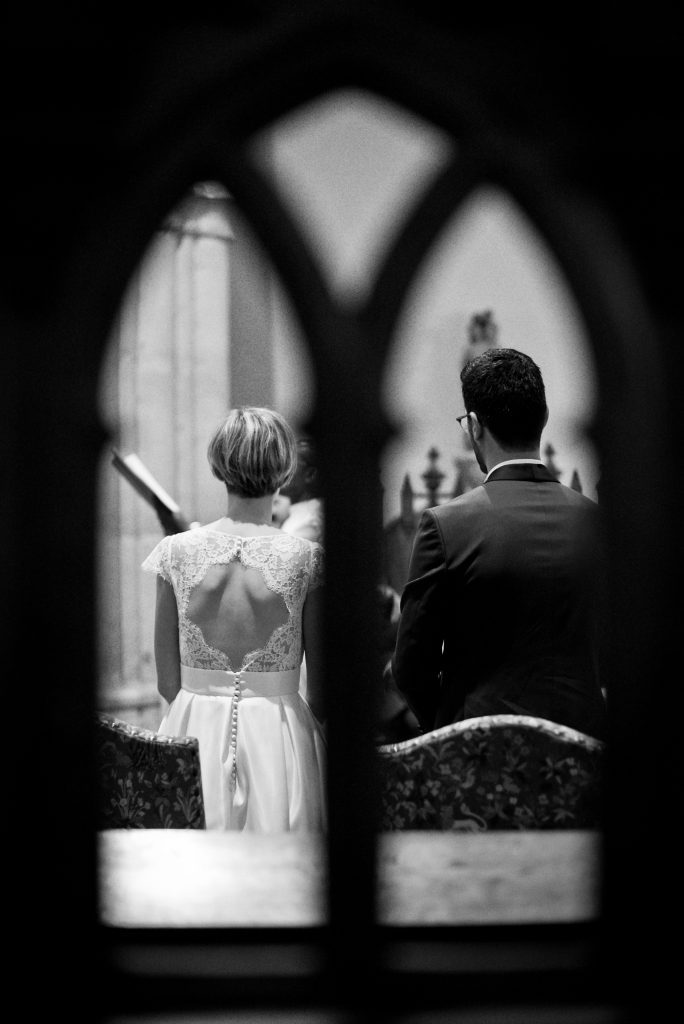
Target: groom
{"points": [[500, 614]]}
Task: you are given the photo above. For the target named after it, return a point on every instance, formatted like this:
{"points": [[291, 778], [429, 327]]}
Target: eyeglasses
{"points": [[462, 421]]}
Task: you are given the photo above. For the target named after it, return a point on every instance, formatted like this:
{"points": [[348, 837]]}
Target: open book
{"points": [[140, 478]]}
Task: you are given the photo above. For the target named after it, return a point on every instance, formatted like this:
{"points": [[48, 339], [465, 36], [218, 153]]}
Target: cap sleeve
{"points": [[317, 576], [159, 560]]}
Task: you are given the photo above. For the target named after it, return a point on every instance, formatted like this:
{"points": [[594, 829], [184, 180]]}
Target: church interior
{"points": [[159, 267]]}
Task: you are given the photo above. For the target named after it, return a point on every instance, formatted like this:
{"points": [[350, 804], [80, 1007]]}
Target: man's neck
{"points": [[494, 454]]}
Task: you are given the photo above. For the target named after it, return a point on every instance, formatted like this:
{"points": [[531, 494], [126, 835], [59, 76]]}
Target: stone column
{"points": [[165, 386]]}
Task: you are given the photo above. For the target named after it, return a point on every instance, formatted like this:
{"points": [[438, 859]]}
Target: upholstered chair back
{"points": [[493, 772], [146, 780]]}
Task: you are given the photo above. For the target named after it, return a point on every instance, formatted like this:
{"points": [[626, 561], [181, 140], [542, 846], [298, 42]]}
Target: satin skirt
{"points": [[262, 752]]}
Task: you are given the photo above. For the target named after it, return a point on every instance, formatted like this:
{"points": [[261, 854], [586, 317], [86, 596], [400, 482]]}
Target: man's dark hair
{"points": [[306, 451], [505, 388], [307, 454]]}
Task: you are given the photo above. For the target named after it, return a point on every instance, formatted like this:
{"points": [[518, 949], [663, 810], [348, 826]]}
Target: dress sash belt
{"points": [[212, 682], [219, 683]]}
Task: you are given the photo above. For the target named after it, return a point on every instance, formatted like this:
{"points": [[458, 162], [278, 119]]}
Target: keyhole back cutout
{"points": [[236, 611]]}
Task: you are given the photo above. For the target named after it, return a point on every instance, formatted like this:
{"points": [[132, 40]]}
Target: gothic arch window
{"points": [[348, 325]]}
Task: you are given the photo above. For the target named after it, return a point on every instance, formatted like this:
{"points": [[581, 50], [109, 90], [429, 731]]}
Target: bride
{"points": [[236, 611]]}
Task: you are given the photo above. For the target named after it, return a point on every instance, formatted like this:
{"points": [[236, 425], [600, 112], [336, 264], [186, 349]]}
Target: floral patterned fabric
{"points": [[146, 780], [493, 772]]}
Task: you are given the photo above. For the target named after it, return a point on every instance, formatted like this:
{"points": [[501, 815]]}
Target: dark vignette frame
{"points": [[189, 131]]}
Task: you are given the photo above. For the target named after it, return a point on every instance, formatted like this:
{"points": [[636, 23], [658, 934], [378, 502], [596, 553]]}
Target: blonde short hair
{"points": [[254, 452]]}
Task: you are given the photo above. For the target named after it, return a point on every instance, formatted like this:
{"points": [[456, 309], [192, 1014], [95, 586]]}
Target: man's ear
{"points": [[475, 426], [546, 416]]}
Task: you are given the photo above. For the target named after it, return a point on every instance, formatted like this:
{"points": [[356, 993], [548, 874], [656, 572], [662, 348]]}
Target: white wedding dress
{"points": [[240, 601]]}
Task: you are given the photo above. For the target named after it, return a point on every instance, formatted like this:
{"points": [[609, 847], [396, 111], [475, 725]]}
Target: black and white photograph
{"points": [[341, 368]]}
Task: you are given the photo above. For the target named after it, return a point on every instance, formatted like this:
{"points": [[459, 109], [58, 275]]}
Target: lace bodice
{"points": [[288, 566]]}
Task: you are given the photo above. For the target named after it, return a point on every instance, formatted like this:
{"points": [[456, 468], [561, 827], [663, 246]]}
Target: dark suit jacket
{"points": [[501, 612]]}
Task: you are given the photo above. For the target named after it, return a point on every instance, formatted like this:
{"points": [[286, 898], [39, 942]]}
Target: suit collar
{"points": [[536, 471]]}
